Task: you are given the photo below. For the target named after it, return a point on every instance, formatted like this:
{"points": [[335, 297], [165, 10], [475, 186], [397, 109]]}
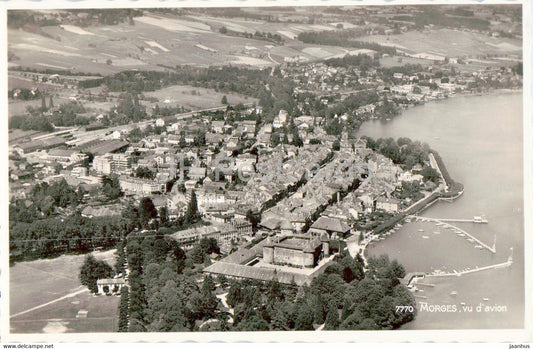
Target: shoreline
{"points": [[448, 191], [490, 92]]}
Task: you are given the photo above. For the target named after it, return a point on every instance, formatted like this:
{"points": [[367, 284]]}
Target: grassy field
{"points": [[42, 281], [145, 45], [102, 316], [156, 40], [194, 97], [448, 42]]}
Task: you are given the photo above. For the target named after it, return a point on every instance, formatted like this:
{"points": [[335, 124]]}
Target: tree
{"points": [[224, 100], [43, 103], [163, 215], [58, 167], [147, 211], [430, 174], [304, 317], [92, 270], [332, 319], [191, 216], [111, 187], [144, 172], [51, 102], [123, 310]]}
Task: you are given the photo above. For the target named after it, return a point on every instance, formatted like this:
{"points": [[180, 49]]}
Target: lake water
{"points": [[480, 140]]}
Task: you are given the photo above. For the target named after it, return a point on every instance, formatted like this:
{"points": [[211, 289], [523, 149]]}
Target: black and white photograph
{"points": [[327, 170]]}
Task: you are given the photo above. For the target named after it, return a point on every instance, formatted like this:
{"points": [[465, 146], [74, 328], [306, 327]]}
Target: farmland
{"points": [[45, 281], [153, 41], [448, 42], [194, 97]]}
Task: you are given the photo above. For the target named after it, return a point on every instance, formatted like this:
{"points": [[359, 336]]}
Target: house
{"points": [[387, 204], [116, 134], [280, 120], [160, 122], [245, 161], [213, 138], [334, 227], [197, 173], [217, 126]]}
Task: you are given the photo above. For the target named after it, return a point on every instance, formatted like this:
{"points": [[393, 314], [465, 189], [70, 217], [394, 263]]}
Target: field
{"points": [[46, 295], [448, 42], [150, 42], [194, 97], [154, 40]]}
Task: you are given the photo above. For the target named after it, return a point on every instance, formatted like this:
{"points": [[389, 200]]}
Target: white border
{"points": [[465, 336]]}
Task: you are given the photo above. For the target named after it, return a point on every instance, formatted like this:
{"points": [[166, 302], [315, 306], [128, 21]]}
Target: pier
{"points": [[476, 219], [411, 279], [475, 270], [444, 224]]}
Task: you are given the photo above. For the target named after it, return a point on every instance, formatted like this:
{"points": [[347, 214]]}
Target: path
{"points": [[270, 57], [70, 295]]}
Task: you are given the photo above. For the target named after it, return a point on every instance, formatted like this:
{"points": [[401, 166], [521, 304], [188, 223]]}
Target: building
{"points": [[197, 173], [224, 234], [217, 126], [41, 144], [160, 122], [334, 227], [280, 120], [132, 185], [66, 157], [387, 204], [243, 227], [106, 286], [121, 163], [113, 163], [296, 251], [102, 164]]}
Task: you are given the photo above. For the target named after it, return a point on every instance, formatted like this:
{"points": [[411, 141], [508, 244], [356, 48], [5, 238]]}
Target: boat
{"points": [[453, 293], [420, 230], [425, 237], [479, 246], [486, 299], [439, 224], [470, 240], [407, 220], [460, 234], [463, 303], [436, 232]]}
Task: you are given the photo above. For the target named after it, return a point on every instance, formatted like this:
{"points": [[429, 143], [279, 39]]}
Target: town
{"points": [[237, 196]]}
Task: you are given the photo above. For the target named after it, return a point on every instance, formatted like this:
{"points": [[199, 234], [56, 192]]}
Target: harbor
{"points": [[490, 172]]}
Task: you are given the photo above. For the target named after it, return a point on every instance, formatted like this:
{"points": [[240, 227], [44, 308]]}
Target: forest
{"points": [[343, 38]]}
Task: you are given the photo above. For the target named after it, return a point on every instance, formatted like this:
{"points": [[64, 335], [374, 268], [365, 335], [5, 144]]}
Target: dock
{"points": [[476, 219], [411, 279], [475, 270], [446, 225]]}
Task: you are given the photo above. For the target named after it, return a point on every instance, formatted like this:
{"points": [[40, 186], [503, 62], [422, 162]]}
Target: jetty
{"points": [[411, 279], [476, 219], [443, 223]]}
